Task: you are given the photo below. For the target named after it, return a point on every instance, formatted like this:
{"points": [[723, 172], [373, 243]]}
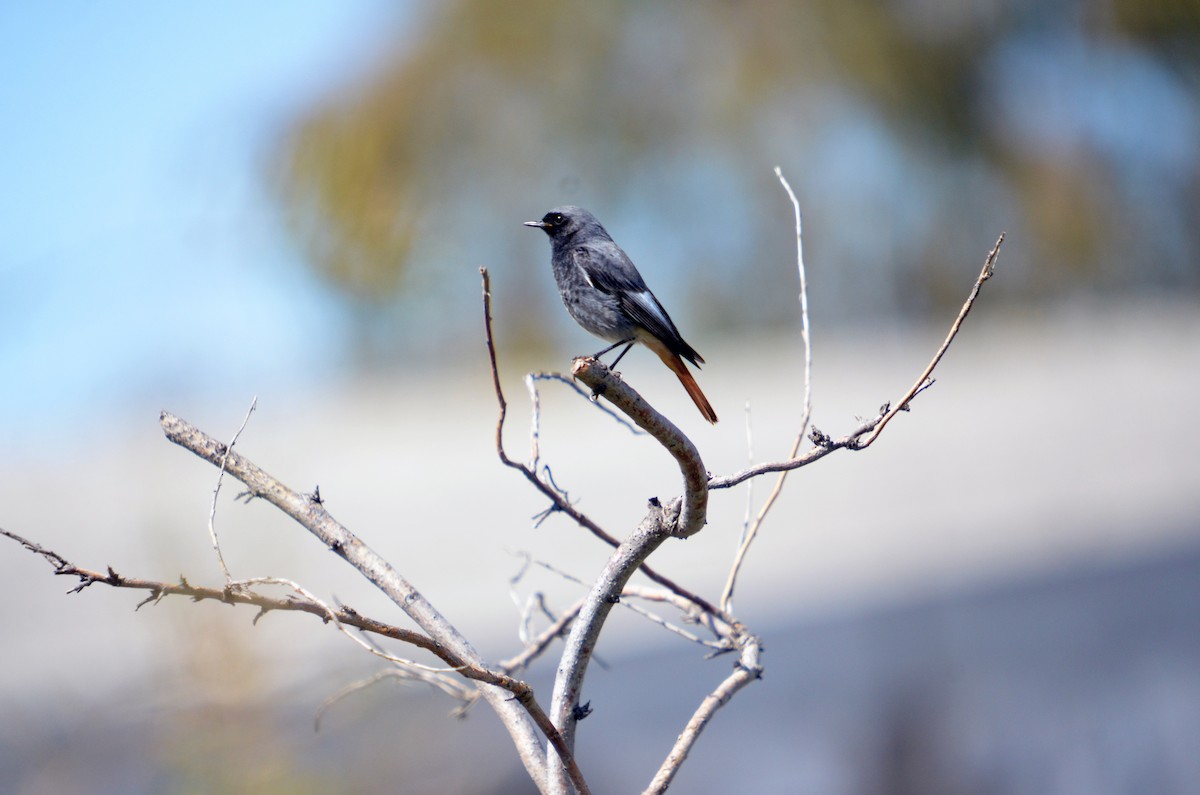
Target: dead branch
{"points": [[746, 670], [694, 511], [519, 715], [565, 709], [823, 445], [989, 267], [212, 512], [538, 645], [521, 693], [806, 415]]}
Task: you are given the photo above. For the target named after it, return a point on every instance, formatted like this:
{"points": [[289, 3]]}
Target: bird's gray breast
{"points": [[599, 312]]}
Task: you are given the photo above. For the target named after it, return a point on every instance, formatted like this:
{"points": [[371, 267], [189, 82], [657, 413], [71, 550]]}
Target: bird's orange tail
{"points": [[672, 360]]}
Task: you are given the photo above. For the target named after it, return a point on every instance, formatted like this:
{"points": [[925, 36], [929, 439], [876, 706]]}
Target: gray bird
{"points": [[606, 295]]}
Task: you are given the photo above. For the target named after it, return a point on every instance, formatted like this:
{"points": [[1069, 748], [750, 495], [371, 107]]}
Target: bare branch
{"points": [[816, 453], [693, 513], [853, 440], [806, 415], [317, 520], [212, 513], [332, 617], [989, 267], [539, 644], [746, 670], [543, 376], [232, 596], [585, 630], [521, 693]]}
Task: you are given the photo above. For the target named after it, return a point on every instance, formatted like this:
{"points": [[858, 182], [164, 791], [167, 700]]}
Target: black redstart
{"points": [[606, 295]]}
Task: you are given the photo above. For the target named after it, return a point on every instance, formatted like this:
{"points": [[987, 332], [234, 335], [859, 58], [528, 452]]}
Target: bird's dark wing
{"points": [[608, 269]]}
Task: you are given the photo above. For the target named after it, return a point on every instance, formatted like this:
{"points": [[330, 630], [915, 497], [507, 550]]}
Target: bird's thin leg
{"points": [[628, 342], [613, 366]]}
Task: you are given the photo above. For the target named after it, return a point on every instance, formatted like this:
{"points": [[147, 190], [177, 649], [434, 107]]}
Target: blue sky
{"points": [[139, 251]]}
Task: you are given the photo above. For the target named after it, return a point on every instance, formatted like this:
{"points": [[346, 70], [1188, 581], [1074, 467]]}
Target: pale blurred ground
{"points": [[1054, 443]]}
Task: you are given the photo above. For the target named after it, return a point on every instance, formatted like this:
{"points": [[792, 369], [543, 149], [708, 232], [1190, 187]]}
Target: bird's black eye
{"points": [[556, 219]]}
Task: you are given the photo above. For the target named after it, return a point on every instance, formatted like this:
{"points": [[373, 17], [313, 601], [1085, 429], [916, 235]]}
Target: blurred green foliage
{"points": [[914, 130]]}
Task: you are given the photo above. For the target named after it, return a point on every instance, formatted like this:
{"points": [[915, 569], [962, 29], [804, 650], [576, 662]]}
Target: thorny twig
{"points": [[240, 594]]}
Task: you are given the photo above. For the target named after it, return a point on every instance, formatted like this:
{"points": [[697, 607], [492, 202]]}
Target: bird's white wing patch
{"points": [[584, 273], [650, 306]]}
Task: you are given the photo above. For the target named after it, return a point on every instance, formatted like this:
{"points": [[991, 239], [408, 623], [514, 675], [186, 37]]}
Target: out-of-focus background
{"points": [[206, 203]]}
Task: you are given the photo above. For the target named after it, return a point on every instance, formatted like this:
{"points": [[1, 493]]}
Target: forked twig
{"points": [[824, 445]]}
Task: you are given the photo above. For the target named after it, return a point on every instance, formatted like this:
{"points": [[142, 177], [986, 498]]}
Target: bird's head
{"points": [[563, 222]]}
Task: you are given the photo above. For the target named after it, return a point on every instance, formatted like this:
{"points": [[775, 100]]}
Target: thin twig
{"points": [[447, 686], [854, 440], [720, 630], [684, 605], [542, 641], [989, 267], [332, 616], [747, 670], [212, 513], [806, 414], [521, 692], [812, 455], [583, 393], [535, 453]]}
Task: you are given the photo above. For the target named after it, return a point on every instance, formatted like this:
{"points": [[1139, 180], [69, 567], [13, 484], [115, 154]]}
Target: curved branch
{"points": [[694, 513]]}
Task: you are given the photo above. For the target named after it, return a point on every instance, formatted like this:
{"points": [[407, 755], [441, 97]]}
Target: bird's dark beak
{"points": [[537, 224]]}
